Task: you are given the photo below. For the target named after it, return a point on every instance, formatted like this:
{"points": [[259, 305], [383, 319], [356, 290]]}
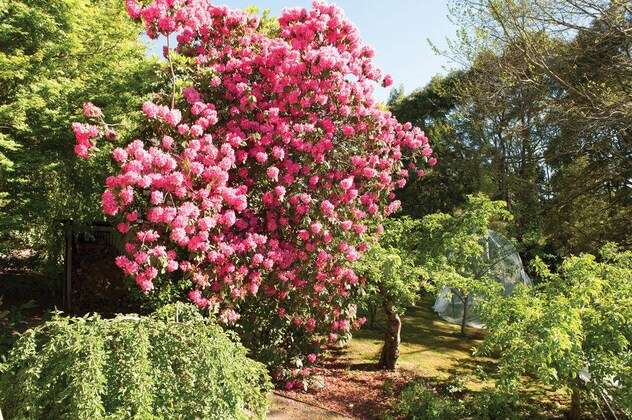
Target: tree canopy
{"points": [[51, 59], [539, 117]]}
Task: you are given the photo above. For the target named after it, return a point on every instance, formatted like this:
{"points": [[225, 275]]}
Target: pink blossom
{"points": [[92, 111], [123, 227], [273, 173], [119, 155], [347, 130], [167, 142], [316, 228], [387, 81], [196, 296], [111, 135], [157, 197], [346, 183], [327, 208], [173, 117], [279, 191], [133, 8], [82, 151], [150, 109]]}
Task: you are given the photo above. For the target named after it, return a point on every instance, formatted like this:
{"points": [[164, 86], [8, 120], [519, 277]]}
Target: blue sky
{"points": [[398, 30]]}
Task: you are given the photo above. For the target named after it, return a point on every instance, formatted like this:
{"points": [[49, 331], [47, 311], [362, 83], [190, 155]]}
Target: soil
{"points": [[359, 391], [286, 408]]}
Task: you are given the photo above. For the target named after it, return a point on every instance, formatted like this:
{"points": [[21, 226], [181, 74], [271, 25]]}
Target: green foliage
{"points": [[579, 318], [494, 404], [173, 364], [391, 266], [268, 24], [420, 403], [276, 341], [51, 59]]}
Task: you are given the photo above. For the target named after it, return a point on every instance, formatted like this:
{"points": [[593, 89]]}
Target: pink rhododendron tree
{"points": [[267, 169]]}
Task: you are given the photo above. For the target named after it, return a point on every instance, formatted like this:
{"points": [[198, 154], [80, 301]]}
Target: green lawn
{"points": [[430, 347]]}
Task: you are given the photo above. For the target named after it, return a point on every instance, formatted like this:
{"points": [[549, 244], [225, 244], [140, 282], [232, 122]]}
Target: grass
{"points": [[430, 347]]}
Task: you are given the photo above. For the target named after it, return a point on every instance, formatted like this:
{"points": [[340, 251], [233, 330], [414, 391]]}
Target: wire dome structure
{"points": [[505, 266]]}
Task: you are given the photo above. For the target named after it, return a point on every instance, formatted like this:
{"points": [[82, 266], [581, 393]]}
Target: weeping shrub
{"points": [[172, 364]]}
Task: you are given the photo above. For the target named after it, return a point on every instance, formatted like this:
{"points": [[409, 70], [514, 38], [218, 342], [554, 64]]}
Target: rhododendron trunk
{"points": [[262, 174]]}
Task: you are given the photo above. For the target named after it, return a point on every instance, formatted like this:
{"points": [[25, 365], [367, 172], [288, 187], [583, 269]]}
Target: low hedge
{"points": [[172, 364]]}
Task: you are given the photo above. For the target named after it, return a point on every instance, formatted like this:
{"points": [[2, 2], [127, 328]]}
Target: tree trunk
{"points": [[576, 408], [390, 351], [372, 315], [464, 320]]}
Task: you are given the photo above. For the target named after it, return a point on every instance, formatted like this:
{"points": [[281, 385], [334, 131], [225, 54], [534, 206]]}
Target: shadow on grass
{"points": [[423, 332]]}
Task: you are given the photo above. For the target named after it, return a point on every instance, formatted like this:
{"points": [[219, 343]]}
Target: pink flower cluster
{"points": [[86, 134], [272, 171]]}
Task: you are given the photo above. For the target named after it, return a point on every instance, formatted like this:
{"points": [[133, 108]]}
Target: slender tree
{"points": [[452, 251], [393, 278]]}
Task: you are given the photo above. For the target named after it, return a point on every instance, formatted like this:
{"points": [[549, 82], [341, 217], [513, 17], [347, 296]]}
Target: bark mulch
{"points": [[357, 390]]}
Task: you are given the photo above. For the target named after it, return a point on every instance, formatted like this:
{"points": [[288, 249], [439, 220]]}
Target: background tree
{"points": [[51, 59], [487, 141], [570, 61], [393, 280], [538, 116], [453, 251], [578, 319], [434, 108]]}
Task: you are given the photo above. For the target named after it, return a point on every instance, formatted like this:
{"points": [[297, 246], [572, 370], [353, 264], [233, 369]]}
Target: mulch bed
{"points": [[357, 390]]}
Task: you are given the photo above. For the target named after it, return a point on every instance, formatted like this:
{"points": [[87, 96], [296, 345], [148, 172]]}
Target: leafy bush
{"points": [[494, 404], [173, 364], [579, 317], [419, 402]]}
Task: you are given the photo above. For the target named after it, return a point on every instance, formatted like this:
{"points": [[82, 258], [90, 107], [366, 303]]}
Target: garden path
{"points": [[283, 408]]}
